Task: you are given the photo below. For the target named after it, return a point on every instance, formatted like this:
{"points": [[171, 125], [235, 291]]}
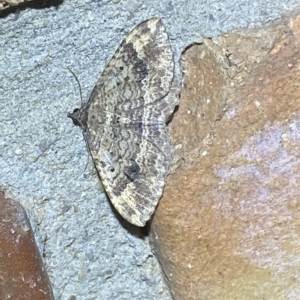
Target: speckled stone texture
{"points": [[227, 226], [22, 273]]}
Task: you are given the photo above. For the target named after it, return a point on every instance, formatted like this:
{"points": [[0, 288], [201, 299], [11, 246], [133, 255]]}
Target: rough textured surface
{"points": [[22, 273], [124, 121], [89, 254], [227, 225]]}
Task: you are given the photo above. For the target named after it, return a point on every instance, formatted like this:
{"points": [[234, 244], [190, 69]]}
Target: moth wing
{"points": [[130, 145], [138, 78], [133, 173]]}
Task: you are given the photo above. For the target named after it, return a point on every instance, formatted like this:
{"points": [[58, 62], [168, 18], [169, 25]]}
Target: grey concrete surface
{"points": [[44, 164]]}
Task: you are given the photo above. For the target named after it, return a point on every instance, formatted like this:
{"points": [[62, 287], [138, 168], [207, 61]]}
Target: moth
{"points": [[124, 121]]}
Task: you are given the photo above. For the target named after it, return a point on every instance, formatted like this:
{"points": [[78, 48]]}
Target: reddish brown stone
{"points": [[228, 224], [22, 274]]}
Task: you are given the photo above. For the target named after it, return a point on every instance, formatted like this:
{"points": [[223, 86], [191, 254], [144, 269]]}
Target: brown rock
{"points": [[228, 224], [22, 274]]}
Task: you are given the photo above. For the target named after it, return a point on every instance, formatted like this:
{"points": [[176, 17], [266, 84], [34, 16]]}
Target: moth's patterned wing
{"points": [[139, 76], [133, 167], [125, 125]]}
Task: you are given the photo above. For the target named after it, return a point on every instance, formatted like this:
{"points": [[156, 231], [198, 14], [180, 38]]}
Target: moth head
{"points": [[78, 117]]}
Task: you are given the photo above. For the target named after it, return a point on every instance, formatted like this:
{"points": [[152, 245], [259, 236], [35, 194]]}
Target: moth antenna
{"points": [[77, 82], [86, 142]]}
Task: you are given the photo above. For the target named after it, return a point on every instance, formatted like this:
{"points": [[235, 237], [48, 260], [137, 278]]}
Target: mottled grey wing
{"points": [[139, 76], [126, 127]]}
